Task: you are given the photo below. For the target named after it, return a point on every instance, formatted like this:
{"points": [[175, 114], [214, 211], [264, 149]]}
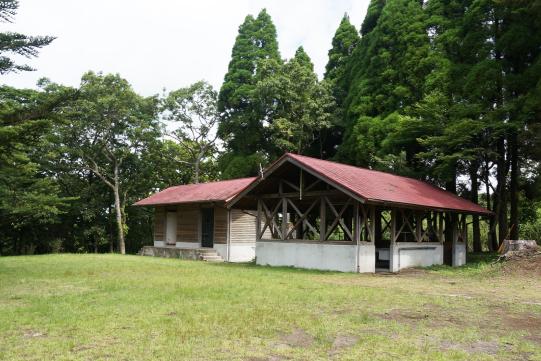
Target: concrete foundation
{"points": [[459, 254], [315, 255], [238, 252], [415, 254], [170, 252]]}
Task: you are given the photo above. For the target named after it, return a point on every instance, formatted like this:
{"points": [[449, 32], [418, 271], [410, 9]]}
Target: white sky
{"points": [[161, 44]]}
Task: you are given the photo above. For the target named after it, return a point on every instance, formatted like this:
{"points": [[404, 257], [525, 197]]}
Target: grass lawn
{"points": [[90, 307]]}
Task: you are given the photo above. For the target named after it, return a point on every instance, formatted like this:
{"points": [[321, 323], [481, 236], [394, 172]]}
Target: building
{"points": [[195, 216], [311, 213]]}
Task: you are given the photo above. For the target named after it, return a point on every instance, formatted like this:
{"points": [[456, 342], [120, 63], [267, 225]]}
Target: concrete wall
{"points": [[459, 254], [187, 245], [159, 244], [238, 252], [315, 255], [415, 254], [367, 257]]}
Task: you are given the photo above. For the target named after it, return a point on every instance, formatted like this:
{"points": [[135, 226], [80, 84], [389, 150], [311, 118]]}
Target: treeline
{"points": [[445, 91]]}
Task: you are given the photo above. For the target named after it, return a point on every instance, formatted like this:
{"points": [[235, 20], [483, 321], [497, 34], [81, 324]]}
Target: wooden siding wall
{"points": [[220, 225], [243, 226], [159, 224], [188, 219]]}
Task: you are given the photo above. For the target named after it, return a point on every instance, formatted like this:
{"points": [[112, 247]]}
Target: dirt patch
{"points": [[484, 347], [341, 342], [33, 333], [298, 338], [525, 322], [522, 263]]}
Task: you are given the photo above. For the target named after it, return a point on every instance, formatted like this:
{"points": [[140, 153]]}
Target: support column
{"points": [[322, 219], [258, 221], [392, 245]]}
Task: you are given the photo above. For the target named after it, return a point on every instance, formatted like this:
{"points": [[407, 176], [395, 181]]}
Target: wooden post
{"points": [[322, 219], [440, 227], [418, 226], [284, 218], [393, 226], [356, 223], [372, 224], [356, 233], [228, 234], [258, 221]]}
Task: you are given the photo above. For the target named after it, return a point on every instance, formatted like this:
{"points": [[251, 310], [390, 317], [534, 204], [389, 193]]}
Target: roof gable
{"points": [[374, 187]]}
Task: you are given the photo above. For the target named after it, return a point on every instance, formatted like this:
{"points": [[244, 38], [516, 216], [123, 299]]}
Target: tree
{"points": [[387, 72], [298, 106], [194, 110], [344, 42], [108, 130], [29, 200], [15, 43], [242, 123]]}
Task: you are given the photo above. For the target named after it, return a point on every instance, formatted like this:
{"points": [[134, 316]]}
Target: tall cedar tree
{"points": [[387, 72], [242, 125], [299, 107], [344, 42]]}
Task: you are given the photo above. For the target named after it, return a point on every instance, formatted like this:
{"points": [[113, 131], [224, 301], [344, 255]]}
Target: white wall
{"points": [[313, 255], [459, 254], [367, 257], [238, 252], [187, 245], [415, 254], [159, 244]]}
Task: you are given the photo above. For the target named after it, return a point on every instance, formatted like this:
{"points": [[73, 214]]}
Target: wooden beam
{"points": [[295, 195], [302, 216], [322, 219], [356, 223], [372, 229], [258, 221], [393, 226], [284, 218], [338, 220], [418, 227]]}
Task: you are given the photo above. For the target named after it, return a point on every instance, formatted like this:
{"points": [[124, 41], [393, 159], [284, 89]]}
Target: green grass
{"points": [[88, 307]]}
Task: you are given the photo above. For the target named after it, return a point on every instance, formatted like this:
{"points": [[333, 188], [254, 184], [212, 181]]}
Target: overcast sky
{"points": [[160, 44]]}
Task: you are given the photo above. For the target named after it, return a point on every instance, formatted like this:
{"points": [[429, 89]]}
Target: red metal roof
{"points": [[221, 191], [376, 186]]}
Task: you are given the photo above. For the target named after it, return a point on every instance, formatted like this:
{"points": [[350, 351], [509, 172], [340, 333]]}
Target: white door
{"points": [[171, 228]]}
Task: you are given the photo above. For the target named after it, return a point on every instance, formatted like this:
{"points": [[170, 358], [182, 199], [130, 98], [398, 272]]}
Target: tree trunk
{"points": [[118, 212], [474, 167], [513, 186], [197, 165], [501, 191], [492, 243]]}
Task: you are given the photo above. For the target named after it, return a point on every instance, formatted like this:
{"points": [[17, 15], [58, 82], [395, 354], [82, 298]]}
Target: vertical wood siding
{"points": [[220, 225], [159, 224], [188, 223], [243, 226]]}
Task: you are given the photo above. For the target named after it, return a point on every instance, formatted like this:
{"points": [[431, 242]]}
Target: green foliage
{"points": [[193, 111], [298, 105], [15, 43], [242, 123]]}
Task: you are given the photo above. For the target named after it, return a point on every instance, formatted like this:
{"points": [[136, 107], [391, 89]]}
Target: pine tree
{"points": [[15, 43], [242, 123]]}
